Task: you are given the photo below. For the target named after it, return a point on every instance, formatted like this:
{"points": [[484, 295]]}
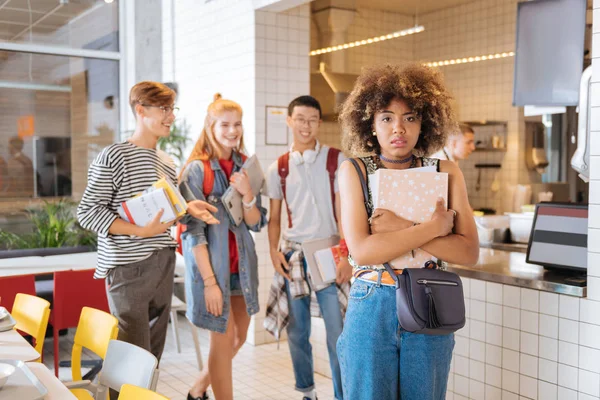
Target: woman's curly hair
{"points": [[423, 90]]}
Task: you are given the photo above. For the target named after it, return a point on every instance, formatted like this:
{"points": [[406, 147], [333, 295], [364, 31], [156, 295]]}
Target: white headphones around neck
{"points": [[309, 156]]}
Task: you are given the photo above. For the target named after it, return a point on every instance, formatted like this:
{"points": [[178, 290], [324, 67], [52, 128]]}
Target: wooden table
{"points": [[56, 389], [14, 347]]}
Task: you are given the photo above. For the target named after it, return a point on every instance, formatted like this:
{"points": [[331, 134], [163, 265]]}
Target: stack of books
{"points": [[161, 195], [411, 194]]}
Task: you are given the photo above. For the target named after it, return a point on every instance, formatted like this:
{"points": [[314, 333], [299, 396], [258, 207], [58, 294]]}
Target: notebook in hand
{"points": [[411, 194], [141, 209], [324, 274], [232, 199]]}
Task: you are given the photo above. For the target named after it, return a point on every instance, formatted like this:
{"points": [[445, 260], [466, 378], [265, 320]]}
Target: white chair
{"points": [[125, 363], [178, 305]]}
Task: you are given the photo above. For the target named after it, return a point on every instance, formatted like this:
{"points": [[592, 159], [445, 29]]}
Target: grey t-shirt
{"points": [[309, 196]]}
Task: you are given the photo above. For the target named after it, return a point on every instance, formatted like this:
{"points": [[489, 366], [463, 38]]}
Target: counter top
{"points": [[510, 268]]}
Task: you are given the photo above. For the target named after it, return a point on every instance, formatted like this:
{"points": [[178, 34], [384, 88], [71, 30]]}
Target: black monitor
{"points": [[558, 237]]}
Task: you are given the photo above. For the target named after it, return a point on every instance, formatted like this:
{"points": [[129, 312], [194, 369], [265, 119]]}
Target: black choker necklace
{"points": [[404, 161]]}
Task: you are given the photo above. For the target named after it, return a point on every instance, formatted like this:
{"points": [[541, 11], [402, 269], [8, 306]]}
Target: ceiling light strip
{"points": [[376, 39], [467, 60]]}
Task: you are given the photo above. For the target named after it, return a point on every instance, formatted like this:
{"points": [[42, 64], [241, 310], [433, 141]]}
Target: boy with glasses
{"points": [[305, 179], [137, 262]]}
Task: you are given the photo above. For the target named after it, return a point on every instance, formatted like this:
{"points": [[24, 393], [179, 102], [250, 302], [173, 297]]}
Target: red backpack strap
{"points": [[283, 167], [332, 165], [209, 179], [207, 187]]}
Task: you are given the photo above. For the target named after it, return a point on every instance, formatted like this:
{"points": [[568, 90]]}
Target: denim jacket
{"points": [[217, 238]]}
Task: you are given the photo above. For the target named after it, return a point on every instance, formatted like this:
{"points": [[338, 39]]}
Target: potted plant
{"points": [[55, 230]]}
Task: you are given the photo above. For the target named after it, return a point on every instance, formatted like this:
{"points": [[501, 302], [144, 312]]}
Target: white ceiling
{"points": [[410, 7], [46, 15]]}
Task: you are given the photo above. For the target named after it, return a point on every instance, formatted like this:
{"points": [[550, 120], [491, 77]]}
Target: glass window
{"points": [[90, 24], [56, 114]]}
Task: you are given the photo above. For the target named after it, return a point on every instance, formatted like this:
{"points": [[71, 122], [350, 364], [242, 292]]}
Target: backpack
{"points": [[207, 187], [284, 170]]}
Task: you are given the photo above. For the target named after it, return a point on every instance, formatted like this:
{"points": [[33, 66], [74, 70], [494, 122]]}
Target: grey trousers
{"points": [[139, 296]]}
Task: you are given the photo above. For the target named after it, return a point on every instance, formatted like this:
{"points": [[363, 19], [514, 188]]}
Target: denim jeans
{"points": [[298, 332], [381, 361]]}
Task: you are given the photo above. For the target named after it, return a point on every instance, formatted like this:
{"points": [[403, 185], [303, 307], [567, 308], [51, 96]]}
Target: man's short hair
{"points": [[151, 94], [307, 101]]}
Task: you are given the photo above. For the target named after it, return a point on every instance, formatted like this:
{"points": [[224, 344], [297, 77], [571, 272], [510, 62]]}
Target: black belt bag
{"points": [[428, 301]]}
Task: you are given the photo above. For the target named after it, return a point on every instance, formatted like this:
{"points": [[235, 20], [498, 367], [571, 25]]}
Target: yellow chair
{"points": [[31, 314], [94, 331], [130, 392]]}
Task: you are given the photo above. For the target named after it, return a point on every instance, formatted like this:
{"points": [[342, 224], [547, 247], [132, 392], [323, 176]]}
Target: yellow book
{"points": [[177, 201]]}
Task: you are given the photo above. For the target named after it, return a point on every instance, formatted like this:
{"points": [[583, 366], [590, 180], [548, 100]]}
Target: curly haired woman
{"points": [[393, 117]]}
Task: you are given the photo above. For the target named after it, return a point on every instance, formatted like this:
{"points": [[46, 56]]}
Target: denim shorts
{"points": [[235, 285]]}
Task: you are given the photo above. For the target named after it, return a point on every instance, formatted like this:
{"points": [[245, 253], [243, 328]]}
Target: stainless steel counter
{"points": [[510, 268]]}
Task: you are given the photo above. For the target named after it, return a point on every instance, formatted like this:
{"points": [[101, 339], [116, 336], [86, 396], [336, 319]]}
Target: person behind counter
{"points": [[459, 145]]}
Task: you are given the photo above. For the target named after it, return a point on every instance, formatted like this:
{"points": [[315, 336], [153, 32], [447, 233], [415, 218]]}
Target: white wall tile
{"points": [[589, 311], [530, 300], [477, 350], [476, 390], [548, 348], [530, 321], [511, 317], [568, 330], [511, 339], [583, 396], [593, 283], [461, 346], [528, 387], [461, 385], [590, 335], [589, 359], [511, 296], [509, 395], [566, 394], [548, 371], [493, 313], [466, 282], [477, 330], [589, 383], [549, 303], [510, 360], [569, 307], [529, 343], [568, 353], [493, 293], [461, 366], [493, 334], [568, 376], [477, 289], [548, 326], [477, 370], [529, 365], [493, 376], [493, 355], [477, 310], [510, 381], [547, 391], [492, 393]]}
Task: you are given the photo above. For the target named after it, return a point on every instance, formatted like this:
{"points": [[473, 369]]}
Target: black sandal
{"points": [[203, 397]]}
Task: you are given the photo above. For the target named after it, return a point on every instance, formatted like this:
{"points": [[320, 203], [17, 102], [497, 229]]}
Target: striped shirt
{"points": [[120, 172]]}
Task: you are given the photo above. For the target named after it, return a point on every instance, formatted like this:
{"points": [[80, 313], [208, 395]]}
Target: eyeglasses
{"points": [[165, 109], [311, 122]]}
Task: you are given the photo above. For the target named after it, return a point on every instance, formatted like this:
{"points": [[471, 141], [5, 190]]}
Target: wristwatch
{"points": [[248, 206]]}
